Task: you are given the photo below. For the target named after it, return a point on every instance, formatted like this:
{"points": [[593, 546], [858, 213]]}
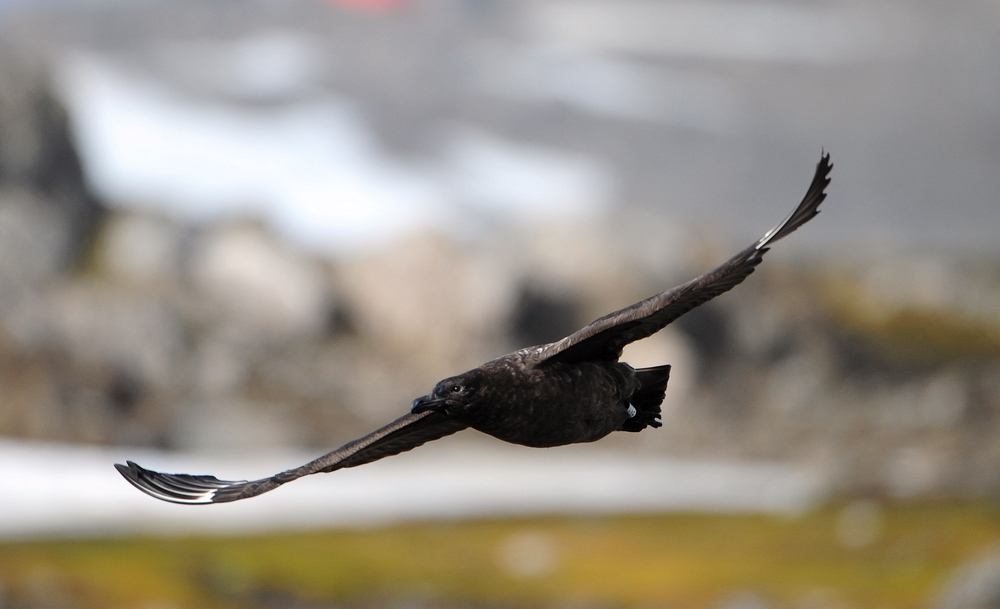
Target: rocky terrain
{"points": [[126, 325], [136, 328]]}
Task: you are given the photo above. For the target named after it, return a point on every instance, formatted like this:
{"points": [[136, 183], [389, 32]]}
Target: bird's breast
{"points": [[555, 404]]}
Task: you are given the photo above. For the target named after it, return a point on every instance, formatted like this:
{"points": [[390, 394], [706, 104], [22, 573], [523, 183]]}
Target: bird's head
{"points": [[450, 395]]}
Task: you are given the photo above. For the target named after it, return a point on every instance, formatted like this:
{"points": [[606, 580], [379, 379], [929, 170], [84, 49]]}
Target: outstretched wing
{"points": [[406, 432], [605, 338]]}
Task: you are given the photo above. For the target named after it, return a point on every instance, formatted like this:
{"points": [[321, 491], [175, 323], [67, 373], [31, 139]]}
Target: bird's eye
{"points": [[457, 389]]}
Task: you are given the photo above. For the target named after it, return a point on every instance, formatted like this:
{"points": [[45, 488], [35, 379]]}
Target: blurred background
{"points": [[234, 235]]}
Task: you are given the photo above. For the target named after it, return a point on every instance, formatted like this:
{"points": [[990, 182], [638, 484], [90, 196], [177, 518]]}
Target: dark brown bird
{"points": [[572, 390]]}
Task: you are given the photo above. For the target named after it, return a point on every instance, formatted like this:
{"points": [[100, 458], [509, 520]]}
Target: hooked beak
{"points": [[426, 402]]}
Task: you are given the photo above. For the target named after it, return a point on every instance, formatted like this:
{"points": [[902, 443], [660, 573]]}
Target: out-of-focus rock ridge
{"points": [[131, 327]]}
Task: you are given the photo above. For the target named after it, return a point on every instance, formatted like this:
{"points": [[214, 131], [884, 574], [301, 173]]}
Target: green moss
{"points": [[911, 335], [639, 561], [935, 336]]}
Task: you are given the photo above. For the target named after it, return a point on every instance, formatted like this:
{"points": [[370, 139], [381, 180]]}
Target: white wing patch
{"points": [[176, 488]]}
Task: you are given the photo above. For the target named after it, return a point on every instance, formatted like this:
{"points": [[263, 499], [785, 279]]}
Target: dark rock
{"points": [[37, 155], [540, 317]]}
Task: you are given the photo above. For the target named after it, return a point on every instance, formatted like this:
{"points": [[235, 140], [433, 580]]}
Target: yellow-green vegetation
{"points": [[899, 559], [912, 334]]}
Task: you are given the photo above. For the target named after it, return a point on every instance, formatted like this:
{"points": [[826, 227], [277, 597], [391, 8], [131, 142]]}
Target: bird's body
{"points": [[570, 391], [521, 402]]}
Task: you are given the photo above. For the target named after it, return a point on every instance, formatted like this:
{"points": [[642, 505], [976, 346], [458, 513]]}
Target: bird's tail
{"points": [[648, 398]]}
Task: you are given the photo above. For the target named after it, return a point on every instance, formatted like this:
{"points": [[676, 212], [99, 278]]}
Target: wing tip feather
{"points": [[176, 488], [808, 208]]}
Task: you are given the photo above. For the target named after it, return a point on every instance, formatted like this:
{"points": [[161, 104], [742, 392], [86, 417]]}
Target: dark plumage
{"points": [[572, 390]]}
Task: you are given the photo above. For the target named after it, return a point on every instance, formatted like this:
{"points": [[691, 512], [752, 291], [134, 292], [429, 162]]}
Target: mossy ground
{"points": [[673, 560]]}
